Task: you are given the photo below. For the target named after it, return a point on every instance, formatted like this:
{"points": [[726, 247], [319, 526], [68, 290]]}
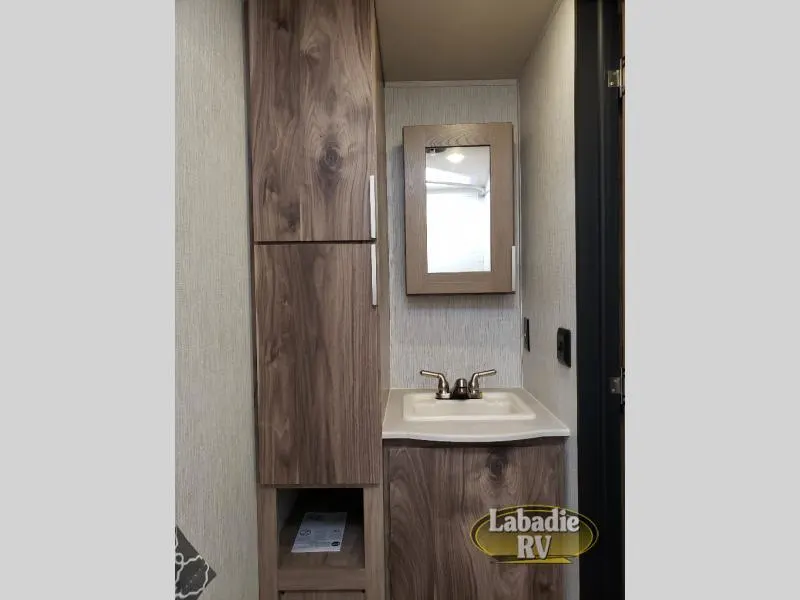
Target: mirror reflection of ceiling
{"points": [[440, 40], [471, 168]]}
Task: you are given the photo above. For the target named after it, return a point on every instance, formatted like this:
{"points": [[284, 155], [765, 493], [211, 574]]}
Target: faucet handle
{"points": [[442, 387], [474, 382]]}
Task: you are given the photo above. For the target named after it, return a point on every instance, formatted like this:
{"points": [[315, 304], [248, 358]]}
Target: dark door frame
{"points": [[598, 232]]}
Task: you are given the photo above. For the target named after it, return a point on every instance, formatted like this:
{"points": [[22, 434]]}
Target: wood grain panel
{"points": [[386, 527], [374, 538], [412, 550], [499, 136], [267, 543], [435, 496], [312, 138], [328, 579], [322, 596], [319, 414]]}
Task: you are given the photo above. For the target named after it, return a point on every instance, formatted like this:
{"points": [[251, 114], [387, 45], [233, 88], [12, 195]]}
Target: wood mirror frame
{"points": [[501, 278]]}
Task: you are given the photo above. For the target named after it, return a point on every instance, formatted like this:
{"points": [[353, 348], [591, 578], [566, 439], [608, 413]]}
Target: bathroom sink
{"points": [[494, 406]]}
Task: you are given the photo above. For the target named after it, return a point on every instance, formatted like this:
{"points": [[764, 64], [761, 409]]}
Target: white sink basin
{"points": [[494, 406]]}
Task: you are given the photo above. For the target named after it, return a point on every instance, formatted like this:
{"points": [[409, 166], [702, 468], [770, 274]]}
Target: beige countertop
{"points": [[545, 423]]}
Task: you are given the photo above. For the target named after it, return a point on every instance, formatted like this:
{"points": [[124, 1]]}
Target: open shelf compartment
{"points": [[320, 570]]}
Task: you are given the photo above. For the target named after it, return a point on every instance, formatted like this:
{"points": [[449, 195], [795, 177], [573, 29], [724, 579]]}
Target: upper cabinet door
{"points": [[312, 123]]}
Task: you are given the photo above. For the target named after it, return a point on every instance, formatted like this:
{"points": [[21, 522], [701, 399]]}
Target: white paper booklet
{"points": [[320, 532]]}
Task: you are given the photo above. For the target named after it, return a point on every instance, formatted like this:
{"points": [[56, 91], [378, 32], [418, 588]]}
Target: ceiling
{"points": [[440, 40]]}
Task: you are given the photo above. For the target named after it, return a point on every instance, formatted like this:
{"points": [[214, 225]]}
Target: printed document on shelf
{"points": [[320, 532]]}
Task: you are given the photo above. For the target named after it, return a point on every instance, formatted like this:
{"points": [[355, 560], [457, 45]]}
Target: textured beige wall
{"points": [[215, 465], [547, 156], [453, 334]]}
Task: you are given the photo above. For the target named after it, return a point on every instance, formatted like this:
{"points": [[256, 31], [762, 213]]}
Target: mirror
{"points": [[457, 198], [459, 211]]}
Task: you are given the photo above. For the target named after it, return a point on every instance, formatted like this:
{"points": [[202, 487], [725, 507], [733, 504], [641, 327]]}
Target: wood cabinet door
{"points": [[312, 124], [435, 496], [319, 412]]}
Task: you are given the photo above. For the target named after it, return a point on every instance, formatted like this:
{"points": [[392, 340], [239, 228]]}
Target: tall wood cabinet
{"points": [[320, 283], [319, 224]]}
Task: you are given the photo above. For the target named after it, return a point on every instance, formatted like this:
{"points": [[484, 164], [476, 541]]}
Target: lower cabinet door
{"points": [[322, 596], [319, 414], [436, 494]]}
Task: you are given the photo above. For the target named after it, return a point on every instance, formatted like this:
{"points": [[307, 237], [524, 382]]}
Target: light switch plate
{"points": [[526, 334], [564, 346]]}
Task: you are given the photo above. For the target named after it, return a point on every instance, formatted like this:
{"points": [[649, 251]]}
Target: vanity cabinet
{"points": [[316, 122], [435, 494]]}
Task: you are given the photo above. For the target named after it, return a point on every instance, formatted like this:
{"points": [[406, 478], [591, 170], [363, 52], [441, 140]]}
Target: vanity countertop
{"points": [[544, 425]]}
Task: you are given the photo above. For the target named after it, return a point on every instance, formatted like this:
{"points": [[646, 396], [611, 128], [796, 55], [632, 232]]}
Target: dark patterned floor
{"points": [[192, 572]]}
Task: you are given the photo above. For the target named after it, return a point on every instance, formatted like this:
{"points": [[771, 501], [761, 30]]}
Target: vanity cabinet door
{"points": [[436, 494], [319, 412], [312, 105]]}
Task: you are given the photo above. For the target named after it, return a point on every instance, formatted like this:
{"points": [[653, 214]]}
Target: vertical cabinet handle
{"points": [[513, 268], [373, 263], [373, 217]]}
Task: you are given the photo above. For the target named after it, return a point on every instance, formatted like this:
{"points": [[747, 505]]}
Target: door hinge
{"points": [[616, 77], [617, 385]]}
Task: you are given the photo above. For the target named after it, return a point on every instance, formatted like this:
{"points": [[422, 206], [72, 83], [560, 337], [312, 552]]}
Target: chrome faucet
{"points": [[461, 390], [474, 388], [442, 387]]}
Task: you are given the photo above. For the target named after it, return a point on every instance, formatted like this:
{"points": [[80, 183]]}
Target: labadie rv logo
{"points": [[534, 533]]}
